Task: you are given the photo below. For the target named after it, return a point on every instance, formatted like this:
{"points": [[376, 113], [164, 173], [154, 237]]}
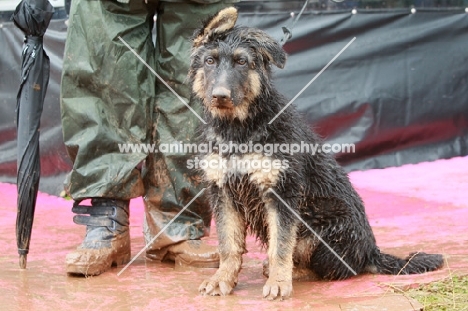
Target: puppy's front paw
{"points": [[216, 287], [274, 289]]}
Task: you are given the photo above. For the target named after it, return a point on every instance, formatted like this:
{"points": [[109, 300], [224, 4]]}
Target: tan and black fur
{"points": [[231, 74]]}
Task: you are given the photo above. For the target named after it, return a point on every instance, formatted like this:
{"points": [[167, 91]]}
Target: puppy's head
{"points": [[231, 66]]}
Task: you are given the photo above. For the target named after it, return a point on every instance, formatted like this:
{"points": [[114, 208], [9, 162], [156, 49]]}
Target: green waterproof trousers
{"points": [[110, 99]]}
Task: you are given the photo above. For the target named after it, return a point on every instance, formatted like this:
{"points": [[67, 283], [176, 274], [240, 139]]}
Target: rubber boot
{"points": [[107, 240], [185, 254]]}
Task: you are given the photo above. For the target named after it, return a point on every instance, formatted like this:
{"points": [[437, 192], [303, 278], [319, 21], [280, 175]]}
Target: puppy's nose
{"points": [[221, 93]]}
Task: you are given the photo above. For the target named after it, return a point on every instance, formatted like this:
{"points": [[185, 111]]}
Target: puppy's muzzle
{"points": [[221, 98]]}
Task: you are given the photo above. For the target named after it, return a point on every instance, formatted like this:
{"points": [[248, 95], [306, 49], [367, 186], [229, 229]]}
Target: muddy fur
{"points": [[231, 74]]}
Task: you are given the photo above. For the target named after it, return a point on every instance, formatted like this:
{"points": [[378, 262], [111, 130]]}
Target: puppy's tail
{"points": [[415, 263]]}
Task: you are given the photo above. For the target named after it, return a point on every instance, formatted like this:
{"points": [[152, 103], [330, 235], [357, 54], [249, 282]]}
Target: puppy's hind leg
{"points": [[230, 226], [282, 230]]}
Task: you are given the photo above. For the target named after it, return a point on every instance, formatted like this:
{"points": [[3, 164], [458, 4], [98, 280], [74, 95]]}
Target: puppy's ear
{"points": [[270, 50], [223, 21]]}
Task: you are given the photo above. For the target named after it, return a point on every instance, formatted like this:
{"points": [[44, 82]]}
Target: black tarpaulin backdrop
{"points": [[399, 92]]}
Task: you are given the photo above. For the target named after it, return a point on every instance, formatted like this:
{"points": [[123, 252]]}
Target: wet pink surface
{"points": [[421, 207]]}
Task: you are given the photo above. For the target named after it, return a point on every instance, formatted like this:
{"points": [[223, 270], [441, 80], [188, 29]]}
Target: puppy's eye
{"points": [[242, 61], [209, 61]]}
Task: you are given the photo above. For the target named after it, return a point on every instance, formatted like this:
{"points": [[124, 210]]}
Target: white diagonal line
{"points": [[311, 81], [161, 79], [312, 230], [159, 233]]}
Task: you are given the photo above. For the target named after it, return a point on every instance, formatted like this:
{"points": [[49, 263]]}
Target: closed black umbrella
{"points": [[32, 17]]}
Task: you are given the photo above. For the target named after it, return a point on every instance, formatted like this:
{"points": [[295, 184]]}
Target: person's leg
{"points": [[107, 99], [170, 185]]}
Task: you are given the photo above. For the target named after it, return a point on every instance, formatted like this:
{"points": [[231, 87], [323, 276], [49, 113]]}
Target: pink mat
{"points": [[443, 181], [421, 207]]}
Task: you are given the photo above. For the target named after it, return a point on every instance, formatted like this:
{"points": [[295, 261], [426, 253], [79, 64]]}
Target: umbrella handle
{"points": [[23, 259]]}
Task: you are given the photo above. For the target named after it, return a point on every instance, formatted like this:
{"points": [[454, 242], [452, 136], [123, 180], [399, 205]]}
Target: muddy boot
{"points": [[185, 254], [107, 240]]}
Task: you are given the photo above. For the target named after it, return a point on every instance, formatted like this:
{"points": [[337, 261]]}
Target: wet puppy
{"points": [[277, 194]]}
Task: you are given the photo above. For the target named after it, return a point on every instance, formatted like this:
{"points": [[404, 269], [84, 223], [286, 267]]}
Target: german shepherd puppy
{"points": [[231, 74]]}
